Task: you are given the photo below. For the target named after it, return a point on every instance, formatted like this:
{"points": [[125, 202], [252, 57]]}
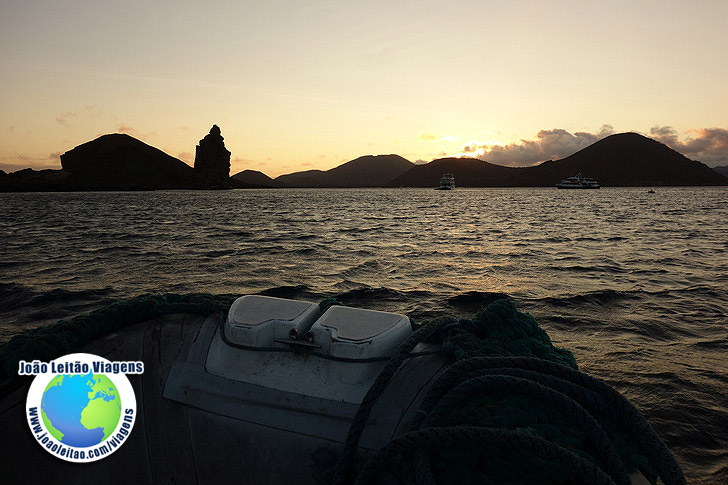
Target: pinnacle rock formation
{"points": [[212, 160]]}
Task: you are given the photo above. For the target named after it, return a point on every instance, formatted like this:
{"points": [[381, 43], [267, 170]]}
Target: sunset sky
{"points": [[296, 85]]}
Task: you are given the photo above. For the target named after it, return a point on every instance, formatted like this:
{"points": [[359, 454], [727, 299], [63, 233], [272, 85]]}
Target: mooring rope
{"points": [[607, 438]]}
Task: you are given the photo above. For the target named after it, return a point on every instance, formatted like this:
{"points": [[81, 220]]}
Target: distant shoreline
{"points": [[118, 162], [555, 189]]}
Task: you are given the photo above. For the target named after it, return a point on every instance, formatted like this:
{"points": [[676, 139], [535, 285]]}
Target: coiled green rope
{"points": [[514, 408]]}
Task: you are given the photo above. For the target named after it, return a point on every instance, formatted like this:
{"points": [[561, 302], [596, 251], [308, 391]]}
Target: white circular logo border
{"points": [[91, 453]]}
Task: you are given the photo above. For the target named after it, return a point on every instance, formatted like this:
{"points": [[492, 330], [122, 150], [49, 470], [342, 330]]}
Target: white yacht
{"points": [[578, 182], [447, 182]]}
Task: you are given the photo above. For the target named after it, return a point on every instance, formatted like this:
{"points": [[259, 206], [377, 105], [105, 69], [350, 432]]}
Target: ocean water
{"points": [[635, 284]]}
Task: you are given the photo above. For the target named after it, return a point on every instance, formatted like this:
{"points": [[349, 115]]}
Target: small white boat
{"points": [[447, 182], [578, 182]]}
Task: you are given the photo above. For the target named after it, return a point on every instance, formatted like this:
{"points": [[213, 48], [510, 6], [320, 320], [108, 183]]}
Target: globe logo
{"points": [[81, 407], [81, 410]]}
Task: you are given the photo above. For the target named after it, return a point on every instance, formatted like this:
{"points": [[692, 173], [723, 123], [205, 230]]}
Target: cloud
{"points": [[709, 145], [548, 145], [433, 137], [89, 111], [55, 156], [663, 131], [64, 118], [123, 128], [238, 163]]}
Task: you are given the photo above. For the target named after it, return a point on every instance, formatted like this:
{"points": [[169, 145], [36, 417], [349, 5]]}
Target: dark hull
{"points": [[195, 427]]}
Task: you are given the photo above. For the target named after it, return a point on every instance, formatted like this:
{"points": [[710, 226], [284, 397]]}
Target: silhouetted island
{"points": [[625, 159], [366, 171], [120, 162], [630, 159], [254, 178]]}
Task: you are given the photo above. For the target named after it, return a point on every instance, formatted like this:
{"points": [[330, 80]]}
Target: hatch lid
{"points": [[357, 333], [257, 320]]}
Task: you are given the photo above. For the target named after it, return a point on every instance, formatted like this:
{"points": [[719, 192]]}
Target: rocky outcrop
{"points": [[212, 160]]}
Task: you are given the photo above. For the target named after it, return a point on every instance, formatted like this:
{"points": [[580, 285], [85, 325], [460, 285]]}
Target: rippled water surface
{"points": [[635, 284]]}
